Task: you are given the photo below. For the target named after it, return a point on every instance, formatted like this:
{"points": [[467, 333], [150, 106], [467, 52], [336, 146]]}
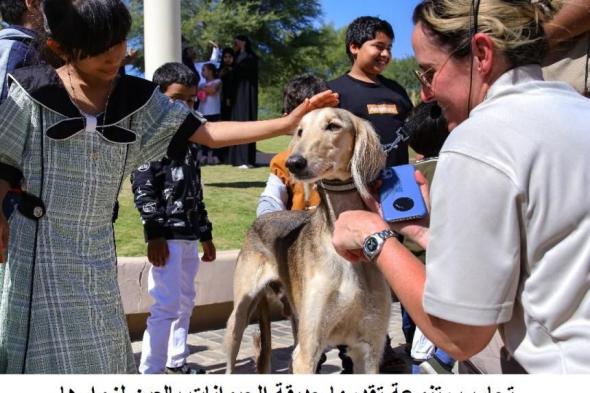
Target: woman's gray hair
{"points": [[515, 26]]}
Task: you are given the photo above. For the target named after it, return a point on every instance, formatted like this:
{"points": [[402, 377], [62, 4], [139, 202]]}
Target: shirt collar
{"points": [[515, 76], [44, 86]]}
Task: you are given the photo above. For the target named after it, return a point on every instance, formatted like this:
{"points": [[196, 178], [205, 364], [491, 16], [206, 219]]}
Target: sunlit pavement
{"points": [[206, 350]]}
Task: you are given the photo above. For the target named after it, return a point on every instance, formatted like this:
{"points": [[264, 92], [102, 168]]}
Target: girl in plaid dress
{"points": [[70, 136]]}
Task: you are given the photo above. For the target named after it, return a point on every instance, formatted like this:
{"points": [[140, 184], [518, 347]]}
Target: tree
{"points": [[402, 70], [284, 32]]}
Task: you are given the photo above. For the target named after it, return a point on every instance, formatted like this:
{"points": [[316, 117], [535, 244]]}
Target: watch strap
{"points": [[380, 238], [386, 234]]}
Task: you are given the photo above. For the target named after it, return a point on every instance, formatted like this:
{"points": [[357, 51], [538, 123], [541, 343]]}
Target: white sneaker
{"points": [[244, 166]]}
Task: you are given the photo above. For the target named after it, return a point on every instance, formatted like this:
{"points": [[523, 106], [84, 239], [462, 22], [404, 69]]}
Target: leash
{"points": [[402, 136]]}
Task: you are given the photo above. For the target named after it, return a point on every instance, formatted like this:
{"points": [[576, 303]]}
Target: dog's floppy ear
{"points": [[368, 157]]}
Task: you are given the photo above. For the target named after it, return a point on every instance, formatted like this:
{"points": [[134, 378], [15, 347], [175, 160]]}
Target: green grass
{"points": [[231, 195], [274, 145], [128, 228]]}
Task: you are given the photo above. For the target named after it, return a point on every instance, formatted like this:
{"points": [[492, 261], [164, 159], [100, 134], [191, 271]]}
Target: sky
{"points": [[397, 12]]}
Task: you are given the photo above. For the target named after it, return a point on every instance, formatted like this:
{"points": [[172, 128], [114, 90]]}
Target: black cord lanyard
{"points": [[473, 27]]}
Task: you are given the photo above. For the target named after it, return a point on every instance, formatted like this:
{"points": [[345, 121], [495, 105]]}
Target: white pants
{"points": [[173, 289]]}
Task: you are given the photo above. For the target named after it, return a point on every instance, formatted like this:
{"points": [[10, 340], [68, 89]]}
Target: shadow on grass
{"points": [[238, 184]]}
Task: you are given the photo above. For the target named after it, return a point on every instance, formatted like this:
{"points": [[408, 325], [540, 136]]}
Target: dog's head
{"points": [[333, 143]]}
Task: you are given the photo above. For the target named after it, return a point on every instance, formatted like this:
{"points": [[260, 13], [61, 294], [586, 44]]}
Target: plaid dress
{"points": [[60, 309]]}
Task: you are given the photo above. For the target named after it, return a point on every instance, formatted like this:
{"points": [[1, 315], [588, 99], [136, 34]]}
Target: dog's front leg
{"points": [[366, 357], [305, 358], [312, 331]]}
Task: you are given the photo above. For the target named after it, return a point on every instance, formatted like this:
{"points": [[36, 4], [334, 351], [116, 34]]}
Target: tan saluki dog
{"points": [[332, 300]]}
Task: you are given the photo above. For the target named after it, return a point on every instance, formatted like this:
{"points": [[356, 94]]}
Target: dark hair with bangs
{"points": [[428, 129], [85, 28], [12, 11], [212, 68], [365, 28], [248, 47], [301, 87], [170, 73]]}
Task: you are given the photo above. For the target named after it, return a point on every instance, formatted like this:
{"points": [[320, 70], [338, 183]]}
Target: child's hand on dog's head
{"points": [[324, 99]]}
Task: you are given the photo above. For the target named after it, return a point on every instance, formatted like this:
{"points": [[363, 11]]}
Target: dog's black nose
{"points": [[296, 163]]}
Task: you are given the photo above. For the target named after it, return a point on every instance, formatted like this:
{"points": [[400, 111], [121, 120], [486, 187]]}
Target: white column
{"points": [[161, 33]]}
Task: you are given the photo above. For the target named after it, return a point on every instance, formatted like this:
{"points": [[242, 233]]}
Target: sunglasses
{"points": [[426, 77]]}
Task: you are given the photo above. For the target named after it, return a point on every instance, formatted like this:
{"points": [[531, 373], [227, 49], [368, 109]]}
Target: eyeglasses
{"points": [[426, 77]]}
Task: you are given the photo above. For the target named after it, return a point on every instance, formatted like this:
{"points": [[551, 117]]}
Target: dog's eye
{"points": [[333, 126], [299, 132]]}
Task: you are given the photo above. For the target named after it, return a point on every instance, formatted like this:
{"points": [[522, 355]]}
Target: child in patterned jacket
{"points": [[169, 197]]}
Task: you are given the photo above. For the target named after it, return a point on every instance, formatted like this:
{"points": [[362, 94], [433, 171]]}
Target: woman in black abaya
{"points": [[245, 102]]}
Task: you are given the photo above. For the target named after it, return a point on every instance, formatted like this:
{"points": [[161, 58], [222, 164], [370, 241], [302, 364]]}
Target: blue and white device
{"points": [[400, 195]]}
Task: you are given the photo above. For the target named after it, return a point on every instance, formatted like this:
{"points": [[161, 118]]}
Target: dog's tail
{"points": [[262, 342]]}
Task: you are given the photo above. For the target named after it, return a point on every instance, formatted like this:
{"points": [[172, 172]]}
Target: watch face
{"points": [[371, 245]]}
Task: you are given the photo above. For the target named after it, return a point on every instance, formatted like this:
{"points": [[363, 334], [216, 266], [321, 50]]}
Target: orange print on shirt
{"points": [[382, 109]]}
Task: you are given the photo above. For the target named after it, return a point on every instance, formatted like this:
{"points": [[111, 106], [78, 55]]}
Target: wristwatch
{"points": [[374, 243]]}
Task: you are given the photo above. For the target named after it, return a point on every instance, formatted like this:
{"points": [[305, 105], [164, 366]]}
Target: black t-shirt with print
{"points": [[385, 104]]}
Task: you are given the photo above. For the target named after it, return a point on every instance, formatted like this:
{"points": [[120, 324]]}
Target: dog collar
{"points": [[337, 185]]}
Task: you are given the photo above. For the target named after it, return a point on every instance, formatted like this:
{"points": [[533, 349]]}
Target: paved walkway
{"points": [[206, 349]]}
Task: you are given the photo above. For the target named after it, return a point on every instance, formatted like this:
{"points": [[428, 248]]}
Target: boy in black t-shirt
{"points": [[368, 94]]}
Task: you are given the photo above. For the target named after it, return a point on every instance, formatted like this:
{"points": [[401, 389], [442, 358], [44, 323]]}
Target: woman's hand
{"points": [[350, 231]]}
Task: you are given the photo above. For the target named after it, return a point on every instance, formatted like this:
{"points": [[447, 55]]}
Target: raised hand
{"points": [[324, 99]]}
